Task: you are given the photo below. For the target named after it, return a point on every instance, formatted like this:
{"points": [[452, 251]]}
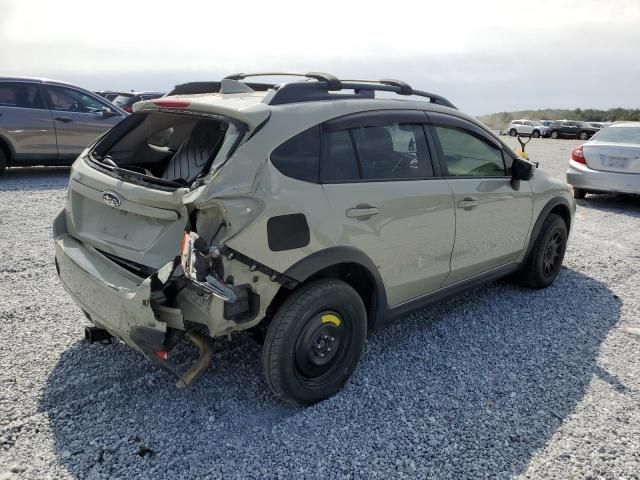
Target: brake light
{"points": [[172, 103], [578, 155], [128, 108]]}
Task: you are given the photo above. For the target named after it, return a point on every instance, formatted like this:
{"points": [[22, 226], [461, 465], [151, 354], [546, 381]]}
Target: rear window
{"points": [[169, 148], [19, 94], [299, 157], [630, 135]]}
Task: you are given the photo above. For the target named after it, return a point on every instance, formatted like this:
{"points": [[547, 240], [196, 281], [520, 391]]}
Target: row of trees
{"points": [[502, 119]]}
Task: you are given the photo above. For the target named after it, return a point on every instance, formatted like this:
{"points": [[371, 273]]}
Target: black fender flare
{"points": [[544, 213], [328, 257]]}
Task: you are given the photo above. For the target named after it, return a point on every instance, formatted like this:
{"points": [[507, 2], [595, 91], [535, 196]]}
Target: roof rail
{"points": [[315, 91], [294, 92]]}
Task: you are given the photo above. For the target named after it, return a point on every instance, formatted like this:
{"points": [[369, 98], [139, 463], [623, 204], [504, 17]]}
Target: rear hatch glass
{"points": [[131, 209], [163, 149]]}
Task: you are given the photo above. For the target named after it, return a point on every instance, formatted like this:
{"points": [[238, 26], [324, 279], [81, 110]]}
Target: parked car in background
{"points": [[571, 129], [108, 94], [546, 123], [609, 162], [344, 212], [527, 127], [126, 100], [44, 122]]}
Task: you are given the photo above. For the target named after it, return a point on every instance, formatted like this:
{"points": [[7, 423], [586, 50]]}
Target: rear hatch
{"points": [[126, 194]]}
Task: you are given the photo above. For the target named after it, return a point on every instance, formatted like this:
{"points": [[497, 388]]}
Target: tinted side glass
{"points": [[299, 157], [19, 94], [396, 151], [70, 100], [339, 160], [468, 156]]}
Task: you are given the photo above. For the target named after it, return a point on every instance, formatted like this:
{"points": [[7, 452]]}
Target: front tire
{"points": [[554, 135], [314, 342], [583, 135], [3, 161], [513, 132], [535, 134], [545, 258]]}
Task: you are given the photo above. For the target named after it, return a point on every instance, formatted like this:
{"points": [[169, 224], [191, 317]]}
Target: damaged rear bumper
{"points": [[114, 298]]}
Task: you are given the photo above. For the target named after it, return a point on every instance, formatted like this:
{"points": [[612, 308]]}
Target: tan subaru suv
{"points": [[306, 212]]}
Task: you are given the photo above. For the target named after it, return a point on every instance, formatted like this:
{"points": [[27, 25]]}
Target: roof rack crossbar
{"points": [[332, 81]]}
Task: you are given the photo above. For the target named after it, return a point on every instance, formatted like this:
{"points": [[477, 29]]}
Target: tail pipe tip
{"points": [[200, 365]]}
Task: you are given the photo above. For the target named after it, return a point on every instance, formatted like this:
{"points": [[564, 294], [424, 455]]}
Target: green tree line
{"points": [[502, 119]]}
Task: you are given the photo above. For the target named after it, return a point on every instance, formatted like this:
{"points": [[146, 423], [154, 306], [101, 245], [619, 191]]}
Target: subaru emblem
{"points": [[111, 199]]}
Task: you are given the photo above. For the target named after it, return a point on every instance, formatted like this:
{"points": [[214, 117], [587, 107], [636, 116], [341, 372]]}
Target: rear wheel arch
{"points": [[348, 264], [5, 148]]}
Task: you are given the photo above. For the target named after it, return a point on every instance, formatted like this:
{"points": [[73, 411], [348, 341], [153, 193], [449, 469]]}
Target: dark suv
{"points": [[126, 100], [571, 129]]}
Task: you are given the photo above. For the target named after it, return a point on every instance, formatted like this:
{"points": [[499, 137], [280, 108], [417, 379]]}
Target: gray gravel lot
{"points": [[500, 382]]}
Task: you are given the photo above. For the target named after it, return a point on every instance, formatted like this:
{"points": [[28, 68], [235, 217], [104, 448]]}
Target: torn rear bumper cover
{"points": [[119, 302]]}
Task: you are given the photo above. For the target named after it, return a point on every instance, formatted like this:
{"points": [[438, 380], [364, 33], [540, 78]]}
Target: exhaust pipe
{"points": [[201, 364]]}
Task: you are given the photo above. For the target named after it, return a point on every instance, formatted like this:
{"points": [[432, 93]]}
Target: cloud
{"points": [[485, 56]]}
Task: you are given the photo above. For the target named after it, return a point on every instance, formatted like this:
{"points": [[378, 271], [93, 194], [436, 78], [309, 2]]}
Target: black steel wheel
{"points": [[314, 341], [545, 258]]}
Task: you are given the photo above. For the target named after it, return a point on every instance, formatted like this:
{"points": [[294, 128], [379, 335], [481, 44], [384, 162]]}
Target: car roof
{"points": [[142, 92], [38, 80], [625, 123]]}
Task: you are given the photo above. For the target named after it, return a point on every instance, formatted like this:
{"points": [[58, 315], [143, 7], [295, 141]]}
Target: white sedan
{"points": [[608, 162]]}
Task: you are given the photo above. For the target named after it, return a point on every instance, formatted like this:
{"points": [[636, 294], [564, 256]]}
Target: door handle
{"points": [[468, 203], [362, 212], [64, 119]]}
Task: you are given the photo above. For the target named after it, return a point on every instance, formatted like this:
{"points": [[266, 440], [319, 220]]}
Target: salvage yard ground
{"points": [[500, 382]]}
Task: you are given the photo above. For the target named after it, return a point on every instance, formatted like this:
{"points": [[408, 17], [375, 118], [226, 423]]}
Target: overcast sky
{"points": [[485, 56]]}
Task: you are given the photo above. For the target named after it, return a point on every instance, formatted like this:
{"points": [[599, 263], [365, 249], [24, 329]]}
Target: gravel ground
{"points": [[501, 382]]}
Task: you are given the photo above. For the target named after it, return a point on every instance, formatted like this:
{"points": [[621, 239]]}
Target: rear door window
{"points": [[20, 94], [392, 151], [71, 100]]}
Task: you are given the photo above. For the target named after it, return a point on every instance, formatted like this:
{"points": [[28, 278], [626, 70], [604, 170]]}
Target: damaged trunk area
{"points": [[166, 149]]}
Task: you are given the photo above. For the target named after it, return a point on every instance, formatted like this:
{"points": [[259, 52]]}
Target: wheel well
{"points": [[353, 274], [563, 212], [7, 151]]}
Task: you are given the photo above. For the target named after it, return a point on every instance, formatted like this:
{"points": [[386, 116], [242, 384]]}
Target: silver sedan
{"points": [[609, 162]]}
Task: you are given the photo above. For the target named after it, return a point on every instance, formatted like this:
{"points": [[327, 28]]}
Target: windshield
{"points": [[630, 135]]}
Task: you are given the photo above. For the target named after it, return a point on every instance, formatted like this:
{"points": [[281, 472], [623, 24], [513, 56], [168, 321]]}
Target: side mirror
{"points": [[522, 169], [108, 113]]}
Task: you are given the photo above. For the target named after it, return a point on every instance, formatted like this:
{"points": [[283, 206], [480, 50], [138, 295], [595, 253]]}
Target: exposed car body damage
{"points": [[180, 223]]}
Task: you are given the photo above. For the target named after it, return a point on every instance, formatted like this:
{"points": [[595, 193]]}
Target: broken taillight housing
{"points": [[196, 266]]}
